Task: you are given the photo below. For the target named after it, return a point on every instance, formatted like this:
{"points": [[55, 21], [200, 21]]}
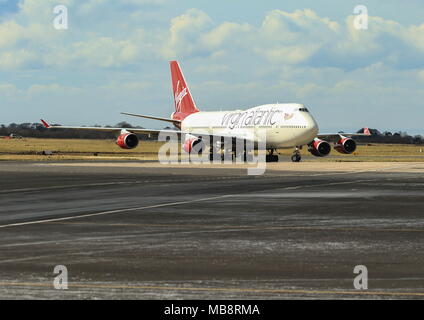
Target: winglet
{"points": [[45, 124]]}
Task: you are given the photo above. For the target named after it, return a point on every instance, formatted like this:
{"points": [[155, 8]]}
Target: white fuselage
{"points": [[282, 125]]}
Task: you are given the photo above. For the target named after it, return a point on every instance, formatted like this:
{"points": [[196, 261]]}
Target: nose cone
{"points": [[311, 129]]}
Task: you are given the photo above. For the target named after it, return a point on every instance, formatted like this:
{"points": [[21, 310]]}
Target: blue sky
{"points": [[235, 54]]}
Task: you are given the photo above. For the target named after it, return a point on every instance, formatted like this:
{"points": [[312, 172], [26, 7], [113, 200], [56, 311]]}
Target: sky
{"points": [[235, 54]]}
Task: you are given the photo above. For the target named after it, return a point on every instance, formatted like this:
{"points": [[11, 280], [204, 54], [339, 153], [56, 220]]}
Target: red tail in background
{"points": [[184, 103], [367, 131]]}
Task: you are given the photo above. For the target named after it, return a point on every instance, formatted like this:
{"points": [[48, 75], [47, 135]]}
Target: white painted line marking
{"points": [[189, 180], [101, 184], [166, 205], [111, 212], [71, 186]]}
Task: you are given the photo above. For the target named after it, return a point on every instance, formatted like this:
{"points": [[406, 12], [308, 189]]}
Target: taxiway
{"points": [[146, 231]]}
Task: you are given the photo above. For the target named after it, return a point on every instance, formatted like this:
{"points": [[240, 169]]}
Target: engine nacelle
{"points": [[319, 148], [192, 142], [127, 141], [345, 145]]}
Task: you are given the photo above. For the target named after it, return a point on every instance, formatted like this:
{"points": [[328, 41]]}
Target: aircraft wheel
{"points": [[271, 158], [296, 157]]}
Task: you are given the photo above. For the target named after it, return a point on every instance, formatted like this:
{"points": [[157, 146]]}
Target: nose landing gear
{"points": [[296, 157]]}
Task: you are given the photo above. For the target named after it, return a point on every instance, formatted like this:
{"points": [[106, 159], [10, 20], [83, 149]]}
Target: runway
{"points": [[146, 231]]}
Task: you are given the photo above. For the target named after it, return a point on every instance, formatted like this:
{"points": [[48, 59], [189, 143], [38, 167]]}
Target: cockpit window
{"points": [[303, 109]]}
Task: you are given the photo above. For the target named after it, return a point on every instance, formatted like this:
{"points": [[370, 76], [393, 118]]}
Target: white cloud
{"points": [[415, 36], [289, 54], [28, 38], [103, 52], [225, 32], [185, 33], [283, 38], [8, 90], [208, 69], [10, 33], [16, 58], [51, 89], [421, 75]]}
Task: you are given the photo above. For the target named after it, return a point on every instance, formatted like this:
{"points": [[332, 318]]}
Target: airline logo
{"points": [[179, 96], [288, 116], [243, 119], [367, 131]]}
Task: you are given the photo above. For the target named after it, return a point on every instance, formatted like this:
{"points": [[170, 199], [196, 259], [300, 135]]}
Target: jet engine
{"points": [[192, 142], [319, 148], [127, 141], [345, 145]]}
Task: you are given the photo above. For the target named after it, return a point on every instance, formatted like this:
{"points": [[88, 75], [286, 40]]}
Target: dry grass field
{"points": [[74, 149], [30, 149]]}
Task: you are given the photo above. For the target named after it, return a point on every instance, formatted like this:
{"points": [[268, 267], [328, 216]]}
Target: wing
{"points": [[334, 137], [109, 129], [143, 131]]}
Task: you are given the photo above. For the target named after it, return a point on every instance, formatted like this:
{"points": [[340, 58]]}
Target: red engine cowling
{"points": [[319, 148], [127, 141], [345, 145], [192, 142]]}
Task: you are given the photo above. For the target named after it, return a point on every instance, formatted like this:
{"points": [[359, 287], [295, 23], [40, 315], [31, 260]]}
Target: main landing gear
{"points": [[231, 155], [271, 157], [220, 153], [296, 157]]}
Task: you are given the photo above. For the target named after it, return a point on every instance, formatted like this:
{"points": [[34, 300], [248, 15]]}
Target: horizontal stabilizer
{"points": [[151, 117]]}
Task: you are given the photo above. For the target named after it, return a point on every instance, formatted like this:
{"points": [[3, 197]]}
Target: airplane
{"points": [[288, 125]]}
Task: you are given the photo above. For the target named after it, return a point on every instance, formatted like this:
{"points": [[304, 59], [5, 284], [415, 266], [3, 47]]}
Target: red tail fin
{"points": [[45, 124], [184, 103]]}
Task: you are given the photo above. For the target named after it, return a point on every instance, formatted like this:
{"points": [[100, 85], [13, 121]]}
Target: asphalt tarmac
{"points": [[134, 231]]}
